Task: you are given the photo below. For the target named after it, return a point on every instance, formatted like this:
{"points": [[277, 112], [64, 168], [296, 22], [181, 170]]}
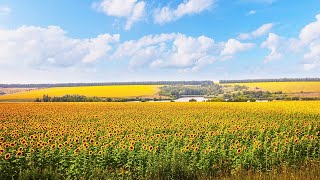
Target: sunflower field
{"points": [[117, 91], [155, 140]]}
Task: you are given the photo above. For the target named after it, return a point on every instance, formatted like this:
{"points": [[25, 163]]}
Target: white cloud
{"points": [[262, 30], [169, 51], [166, 14], [314, 52], [308, 43], [311, 32], [310, 37], [178, 51], [234, 46], [50, 47], [137, 13], [132, 10], [273, 43], [5, 10], [312, 57], [252, 12]]}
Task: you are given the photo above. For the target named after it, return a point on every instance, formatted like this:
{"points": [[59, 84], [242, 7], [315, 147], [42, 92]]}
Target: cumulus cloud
{"points": [[310, 36], [262, 30], [5, 10], [252, 12], [178, 51], [311, 31], [169, 51], [233, 46], [312, 57], [308, 43], [132, 10], [50, 47], [167, 14], [273, 43]]}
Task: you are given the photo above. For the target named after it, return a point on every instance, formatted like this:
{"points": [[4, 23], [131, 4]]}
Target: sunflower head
{"points": [[7, 156]]}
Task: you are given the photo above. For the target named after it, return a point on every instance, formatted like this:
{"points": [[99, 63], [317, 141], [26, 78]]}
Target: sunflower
{"points": [[53, 146], [196, 149], [7, 156], [75, 152], [144, 147], [19, 153]]}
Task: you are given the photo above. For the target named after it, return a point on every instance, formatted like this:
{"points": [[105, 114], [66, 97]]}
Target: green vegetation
{"points": [[178, 91], [81, 98]]}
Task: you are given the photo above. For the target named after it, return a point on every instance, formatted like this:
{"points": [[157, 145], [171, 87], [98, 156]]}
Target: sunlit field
{"points": [[286, 87], [156, 140], [89, 91]]}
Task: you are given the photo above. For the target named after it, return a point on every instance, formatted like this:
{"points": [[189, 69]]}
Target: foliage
{"points": [[240, 88], [178, 91], [80, 98], [216, 99]]}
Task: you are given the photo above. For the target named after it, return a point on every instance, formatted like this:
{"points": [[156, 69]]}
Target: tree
{"points": [[46, 98]]}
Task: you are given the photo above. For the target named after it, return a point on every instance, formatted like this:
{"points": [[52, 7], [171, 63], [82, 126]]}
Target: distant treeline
{"points": [[106, 84], [81, 98], [270, 80], [179, 91]]}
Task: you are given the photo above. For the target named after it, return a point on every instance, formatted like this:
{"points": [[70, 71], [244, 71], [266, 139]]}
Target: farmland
{"points": [[285, 87], [156, 140], [90, 91]]}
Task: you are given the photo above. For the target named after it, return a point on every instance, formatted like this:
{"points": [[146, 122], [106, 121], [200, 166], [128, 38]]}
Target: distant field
{"points": [[286, 87], [89, 91]]}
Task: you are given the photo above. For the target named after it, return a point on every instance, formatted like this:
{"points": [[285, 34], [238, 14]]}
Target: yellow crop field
{"points": [[89, 91], [286, 87], [155, 140]]}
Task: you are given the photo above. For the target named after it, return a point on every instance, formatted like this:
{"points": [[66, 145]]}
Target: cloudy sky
{"points": [[55, 41]]}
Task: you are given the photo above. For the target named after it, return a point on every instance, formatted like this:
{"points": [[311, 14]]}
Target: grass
{"points": [[285, 87], [89, 91]]}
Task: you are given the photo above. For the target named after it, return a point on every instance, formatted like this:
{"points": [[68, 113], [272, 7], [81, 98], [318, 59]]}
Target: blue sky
{"points": [[137, 40]]}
